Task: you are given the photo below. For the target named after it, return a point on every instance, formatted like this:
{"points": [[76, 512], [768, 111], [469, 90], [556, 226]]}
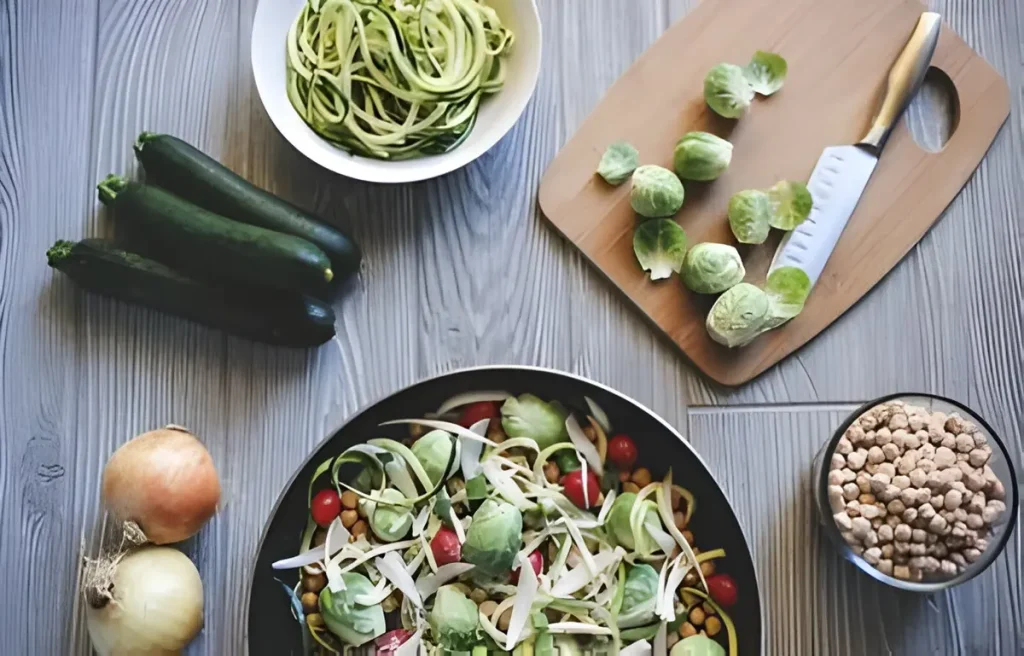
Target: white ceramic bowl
{"points": [[498, 113]]}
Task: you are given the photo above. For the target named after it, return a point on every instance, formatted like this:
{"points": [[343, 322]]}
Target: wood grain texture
{"points": [[843, 59], [816, 602], [459, 271]]}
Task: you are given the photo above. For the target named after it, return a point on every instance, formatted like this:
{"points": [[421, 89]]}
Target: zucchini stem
{"points": [[143, 139], [59, 251], [110, 187]]}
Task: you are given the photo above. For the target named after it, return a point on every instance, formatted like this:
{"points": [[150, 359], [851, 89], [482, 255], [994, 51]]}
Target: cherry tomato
{"points": [[722, 589], [622, 451], [536, 561], [392, 640], [446, 547], [325, 507], [573, 484], [474, 412]]}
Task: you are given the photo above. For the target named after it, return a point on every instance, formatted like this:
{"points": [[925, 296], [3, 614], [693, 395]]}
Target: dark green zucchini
{"points": [[192, 174], [279, 318], [206, 245]]}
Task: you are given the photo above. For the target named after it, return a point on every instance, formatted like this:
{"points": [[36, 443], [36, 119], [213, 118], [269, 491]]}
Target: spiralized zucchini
{"points": [[395, 79]]}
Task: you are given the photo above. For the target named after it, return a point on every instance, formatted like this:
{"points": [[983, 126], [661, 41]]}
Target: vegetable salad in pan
{"points": [[506, 524]]}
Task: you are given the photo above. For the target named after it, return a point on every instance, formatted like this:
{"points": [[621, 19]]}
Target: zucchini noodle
{"points": [[394, 79]]}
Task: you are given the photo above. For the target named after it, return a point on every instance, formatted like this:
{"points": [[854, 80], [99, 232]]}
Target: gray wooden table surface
{"points": [[459, 271]]}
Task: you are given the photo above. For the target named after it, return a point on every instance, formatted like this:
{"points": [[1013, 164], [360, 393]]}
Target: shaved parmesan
{"points": [[599, 414], [472, 450], [379, 594], [578, 627], [581, 544], [430, 584], [577, 578], [665, 510], [505, 486], [466, 398], [392, 567], [416, 561], [425, 548], [661, 640], [526, 594], [373, 553], [638, 648], [460, 533], [314, 555], [585, 480], [584, 446]]}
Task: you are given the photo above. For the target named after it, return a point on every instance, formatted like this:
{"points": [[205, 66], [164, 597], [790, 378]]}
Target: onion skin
{"points": [[164, 481], [154, 605]]}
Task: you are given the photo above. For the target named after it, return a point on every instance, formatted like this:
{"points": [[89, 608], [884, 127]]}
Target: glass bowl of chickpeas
{"points": [[916, 490]]}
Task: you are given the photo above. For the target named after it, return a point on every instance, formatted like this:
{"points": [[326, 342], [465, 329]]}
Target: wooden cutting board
{"points": [[839, 55]]}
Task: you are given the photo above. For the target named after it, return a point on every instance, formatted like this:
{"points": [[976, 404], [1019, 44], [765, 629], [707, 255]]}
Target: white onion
{"points": [[599, 415], [526, 594], [466, 398], [165, 482], [638, 648], [149, 601], [583, 445]]}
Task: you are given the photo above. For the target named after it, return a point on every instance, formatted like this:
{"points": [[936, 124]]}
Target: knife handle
{"points": [[905, 77]]}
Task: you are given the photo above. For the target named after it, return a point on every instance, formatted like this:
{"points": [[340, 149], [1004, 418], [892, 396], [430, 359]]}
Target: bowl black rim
{"points": [[254, 558], [832, 531]]}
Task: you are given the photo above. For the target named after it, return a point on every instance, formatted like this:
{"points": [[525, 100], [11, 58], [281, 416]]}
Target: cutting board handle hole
{"points": [[934, 113]]}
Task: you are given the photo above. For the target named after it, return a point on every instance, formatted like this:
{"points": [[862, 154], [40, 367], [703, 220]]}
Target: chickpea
{"points": [[319, 537], [390, 604], [707, 568], [314, 619], [359, 529], [551, 472], [488, 607], [677, 499], [679, 519], [590, 433], [641, 476], [623, 476], [552, 551], [630, 487], [505, 619], [463, 588], [696, 616], [313, 582], [689, 537], [708, 610], [478, 596], [671, 639], [690, 579], [349, 517], [416, 431], [686, 630], [712, 625], [310, 602], [349, 499], [495, 432]]}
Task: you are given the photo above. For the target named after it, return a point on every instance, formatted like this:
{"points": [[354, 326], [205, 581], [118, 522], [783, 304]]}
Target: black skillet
{"points": [[272, 630]]}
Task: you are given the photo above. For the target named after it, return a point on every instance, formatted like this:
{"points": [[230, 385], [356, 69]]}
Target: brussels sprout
{"points": [[749, 216], [656, 192], [790, 204], [640, 596], [618, 522], [712, 268], [738, 315], [727, 91], [493, 538], [660, 246], [701, 156], [697, 645], [434, 450], [354, 623], [454, 619], [528, 416], [787, 289], [567, 461], [618, 163], [766, 72], [388, 522]]}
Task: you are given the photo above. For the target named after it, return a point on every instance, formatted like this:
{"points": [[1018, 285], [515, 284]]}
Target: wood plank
{"points": [[814, 601], [659, 98]]}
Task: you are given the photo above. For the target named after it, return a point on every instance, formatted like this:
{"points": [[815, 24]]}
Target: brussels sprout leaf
{"points": [[618, 163], [766, 72], [750, 216], [660, 247], [787, 289], [791, 204]]}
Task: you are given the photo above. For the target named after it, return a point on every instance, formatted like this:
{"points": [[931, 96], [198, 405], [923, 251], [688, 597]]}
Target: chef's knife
{"points": [[842, 172]]}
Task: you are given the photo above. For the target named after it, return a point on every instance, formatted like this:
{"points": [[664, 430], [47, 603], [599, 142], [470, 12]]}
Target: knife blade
{"points": [[842, 172]]}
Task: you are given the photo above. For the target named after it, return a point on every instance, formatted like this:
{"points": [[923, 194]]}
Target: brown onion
{"points": [[165, 482]]}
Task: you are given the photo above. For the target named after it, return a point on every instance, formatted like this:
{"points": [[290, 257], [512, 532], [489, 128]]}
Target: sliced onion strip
{"points": [[455, 429], [526, 594], [431, 583], [599, 414], [392, 567], [638, 648], [468, 398], [472, 450]]}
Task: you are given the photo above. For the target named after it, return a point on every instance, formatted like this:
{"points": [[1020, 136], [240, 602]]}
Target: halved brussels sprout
{"points": [[738, 316], [727, 90], [701, 156], [750, 216], [766, 72]]}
